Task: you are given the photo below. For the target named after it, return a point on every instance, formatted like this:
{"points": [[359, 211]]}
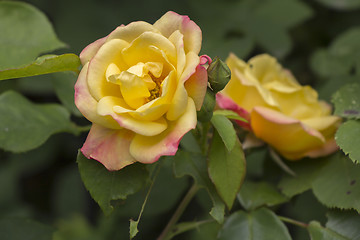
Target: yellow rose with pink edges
{"points": [[280, 111], [141, 87]]}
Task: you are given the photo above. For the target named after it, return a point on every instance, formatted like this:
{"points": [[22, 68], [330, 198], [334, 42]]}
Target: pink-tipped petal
{"points": [[171, 21], [196, 86], [150, 149], [179, 102], [288, 136], [90, 51], [205, 59], [109, 147], [329, 147], [87, 104], [227, 103]]}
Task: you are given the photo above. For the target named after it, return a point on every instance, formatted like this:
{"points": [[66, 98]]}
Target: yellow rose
{"points": [[281, 112], [140, 87]]}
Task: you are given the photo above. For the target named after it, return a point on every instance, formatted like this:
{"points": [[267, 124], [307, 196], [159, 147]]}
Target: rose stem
{"points": [[179, 211], [294, 222]]}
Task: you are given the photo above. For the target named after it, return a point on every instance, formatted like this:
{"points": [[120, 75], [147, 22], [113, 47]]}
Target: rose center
{"points": [[139, 84]]}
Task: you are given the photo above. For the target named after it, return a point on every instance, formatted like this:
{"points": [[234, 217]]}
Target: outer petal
{"points": [[90, 51], [110, 147], [329, 147], [196, 86], [87, 104], [147, 128], [179, 102], [149, 149], [109, 53], [287, 135], [132, 31], [327, 125], [227, 103], [171, 21]]}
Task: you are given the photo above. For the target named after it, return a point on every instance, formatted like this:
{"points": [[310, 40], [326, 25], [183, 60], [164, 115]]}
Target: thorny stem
{"points": [[294, 222], [179, 211]]}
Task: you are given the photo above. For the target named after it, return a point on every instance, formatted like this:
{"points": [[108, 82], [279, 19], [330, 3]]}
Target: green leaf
{"points": [[286, 14], [43, 65], [205, 231], [106, 186], [25, 34], [317, 232], [341, 57], [347, 101], [226, 168], [253, 195], [337, 183], [25, 125], [189, 143], [259, 224], [326, 65], [326, 89], [225, 129], [341, 5], [194, 165], [268, 35], [306, 171], [345, 223], [230, 114], [347, 138], [20, 229], [76, 228], [64, 88], [133, 228]]}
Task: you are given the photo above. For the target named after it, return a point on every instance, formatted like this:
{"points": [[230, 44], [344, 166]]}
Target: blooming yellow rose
{"points": [[281, 112], [140, 87]]}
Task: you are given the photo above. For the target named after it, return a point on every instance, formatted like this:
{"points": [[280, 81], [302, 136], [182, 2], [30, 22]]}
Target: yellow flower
{"points": [[281, 112], [140, 87]]}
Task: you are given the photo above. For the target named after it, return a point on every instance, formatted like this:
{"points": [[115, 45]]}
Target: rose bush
{"points": [[141, 87], [280, 111]]}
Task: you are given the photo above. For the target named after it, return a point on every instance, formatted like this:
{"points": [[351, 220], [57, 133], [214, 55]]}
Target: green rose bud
{"points": [[206, 111], [219, 74]]}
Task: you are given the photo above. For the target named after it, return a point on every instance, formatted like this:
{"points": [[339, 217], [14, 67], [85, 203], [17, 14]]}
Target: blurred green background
{"points": [[318, 40]]}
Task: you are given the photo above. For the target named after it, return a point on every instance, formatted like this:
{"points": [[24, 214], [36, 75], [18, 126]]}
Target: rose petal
{"points": [[109, 147], [227, 103], [90, 51], [178, 40], [246, 91], [147, 128], [326, 125], [196, 86], [267, 70], [306, 101], [329, 147], [109, 53], [132, 31], [146, 48], [149, 149], [87, 105], [179, 102], [171, 21], [287, 135]]}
